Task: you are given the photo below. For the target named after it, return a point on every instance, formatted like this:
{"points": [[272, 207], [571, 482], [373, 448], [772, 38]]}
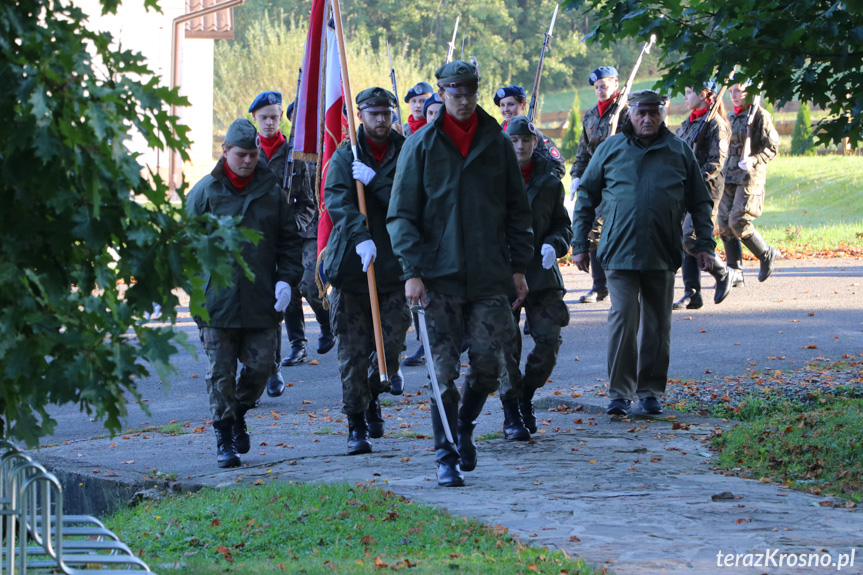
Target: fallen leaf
{"points": [[379, 562], [215, 523], [314, 362], [368, 540], [532, 567], [592, 461], [573, 538], [743, 520]]}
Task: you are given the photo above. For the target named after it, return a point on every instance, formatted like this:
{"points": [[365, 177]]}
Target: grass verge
{"points": [[332, 528], [814, 446]]}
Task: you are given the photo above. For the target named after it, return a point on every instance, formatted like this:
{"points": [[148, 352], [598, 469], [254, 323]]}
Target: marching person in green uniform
{"points": [[647, 179], [710, 144], [743, 197], [460, 223], [512, 101], [245, 317], [544, 306], [596, 127], [415, 99], [354, 243]]}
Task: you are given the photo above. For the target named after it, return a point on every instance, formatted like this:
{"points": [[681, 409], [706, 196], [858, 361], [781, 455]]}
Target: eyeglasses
{"points": [[466, 97]]}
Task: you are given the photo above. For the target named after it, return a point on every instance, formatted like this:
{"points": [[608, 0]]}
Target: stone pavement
{"points": [[636, 495]]}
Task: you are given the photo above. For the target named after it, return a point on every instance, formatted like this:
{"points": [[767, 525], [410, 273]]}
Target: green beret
{"points": [[242, 133], [456, 73], [374, 97], [646, 99], [520, 126]]}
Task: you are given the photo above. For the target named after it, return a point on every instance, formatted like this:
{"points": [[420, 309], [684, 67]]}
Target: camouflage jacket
{"points": [[594, 131], [711, 152], [764, 146], [301, 200], [546, 148]]}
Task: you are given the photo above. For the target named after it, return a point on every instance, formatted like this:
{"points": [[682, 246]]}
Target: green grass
{"points": [[818, 448], [339, 528]]}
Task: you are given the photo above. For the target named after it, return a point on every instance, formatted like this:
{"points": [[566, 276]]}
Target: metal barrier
{"points": [[37, 537]]}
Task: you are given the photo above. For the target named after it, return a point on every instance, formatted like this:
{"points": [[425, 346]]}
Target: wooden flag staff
{"points": [[361, 194]]}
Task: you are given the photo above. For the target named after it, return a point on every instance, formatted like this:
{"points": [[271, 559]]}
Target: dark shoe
{"points": [[618, 407], [374, 419], [594, 295], [723, 283], [242, 441], [276, 385], [226, 451], [416, 358], [398, 383], [767, 255], [358, 435], [513, 426], [525, 407], [650, 405], [297, 356], [471, 406], [767, 263], [690, 300], [326, 342], [526, 329], [446, 455]]}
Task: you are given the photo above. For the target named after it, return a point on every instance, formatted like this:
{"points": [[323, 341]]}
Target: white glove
{"points": [[367, 252], [548, 256], [362, 172], [746, 163], [573, 188], [283, 296]]}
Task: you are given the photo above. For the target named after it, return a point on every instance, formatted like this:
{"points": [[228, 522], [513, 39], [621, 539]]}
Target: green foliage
{"points": [[818, 449], [81, 262], [802, 141], [303, 528], [806, 50], [573, 129]]}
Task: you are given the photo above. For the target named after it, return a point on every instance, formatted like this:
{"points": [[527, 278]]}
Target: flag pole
{"points": [[361, 194]]}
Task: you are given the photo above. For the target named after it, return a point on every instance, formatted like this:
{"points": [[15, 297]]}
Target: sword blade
{"points": [[424, 337]]}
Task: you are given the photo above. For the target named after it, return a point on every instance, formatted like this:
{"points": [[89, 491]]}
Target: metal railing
{"points": [[39, 538]]}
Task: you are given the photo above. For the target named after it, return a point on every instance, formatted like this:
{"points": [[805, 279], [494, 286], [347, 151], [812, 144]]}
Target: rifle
{"points": [[624, 93], [452, 42], [750, 117], [462, 47], [288, 176], [532, 109], [395, 88]]}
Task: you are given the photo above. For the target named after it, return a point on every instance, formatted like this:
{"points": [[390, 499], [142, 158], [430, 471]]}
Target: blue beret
{"points": [[435, 99], [602, 72], [265, 99], [515, 91], [290, 111], [712, 86], [418, 90]]}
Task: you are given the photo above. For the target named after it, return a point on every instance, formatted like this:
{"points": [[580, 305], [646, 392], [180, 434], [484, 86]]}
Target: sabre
{"points": [[424, 337]]}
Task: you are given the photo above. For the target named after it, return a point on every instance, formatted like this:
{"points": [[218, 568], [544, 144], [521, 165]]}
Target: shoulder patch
{"points": [[723, 146], [774, 135], [501, 93], [554, 153]]}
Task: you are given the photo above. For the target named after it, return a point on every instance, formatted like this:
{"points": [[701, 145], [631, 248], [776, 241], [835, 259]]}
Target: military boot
{"points": [[327, 339], [525, 407], [416, 358], [472, 403], [722, 274], [765, 254], [513, 426], [242, 441], [734, 259], [446, 455], [374, 419], [691, 285], [358, 434], [226, 451]]}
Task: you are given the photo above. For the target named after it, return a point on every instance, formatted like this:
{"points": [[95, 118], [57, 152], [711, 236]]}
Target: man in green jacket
{"points": [[244, 317], [354, 243], [546, 312], [460, 224], [646, 178]]}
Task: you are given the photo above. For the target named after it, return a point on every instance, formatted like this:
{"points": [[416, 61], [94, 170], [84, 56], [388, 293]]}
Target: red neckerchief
{"points": [[738, 109], [504, 125], [525, 171], [416, 124], [236, 181], [377, 150], [461, 133], [695, 114], [272, 144], [603, 106]]}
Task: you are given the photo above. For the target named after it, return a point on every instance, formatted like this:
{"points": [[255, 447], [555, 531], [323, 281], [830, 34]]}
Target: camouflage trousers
{"points": [[689, 229], [546, 314], [351, 314], [254, 349], [486, 323], [739, 206]]}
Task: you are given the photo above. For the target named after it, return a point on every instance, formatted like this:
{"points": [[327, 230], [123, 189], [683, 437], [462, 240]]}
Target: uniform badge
{"points": [[531, 128], [554, 153], [271, 98], [418, 89], [501, 93], [723, 146]]}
